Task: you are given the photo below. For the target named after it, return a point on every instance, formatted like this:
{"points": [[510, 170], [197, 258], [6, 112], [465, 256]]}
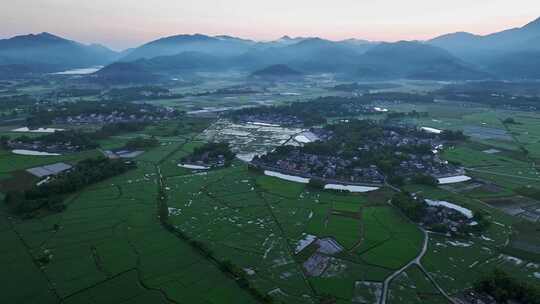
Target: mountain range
{"points": [[52, 53], [510, 54], [484, 48], [513, 53]]}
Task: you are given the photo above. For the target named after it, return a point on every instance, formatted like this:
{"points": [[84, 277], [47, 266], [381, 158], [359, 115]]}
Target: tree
{"points": [[424, 179], [142, 143], [4, 141], [396, 180], [503, 288], [316, 183], [453, 135], [412, 208], [510, 121]]}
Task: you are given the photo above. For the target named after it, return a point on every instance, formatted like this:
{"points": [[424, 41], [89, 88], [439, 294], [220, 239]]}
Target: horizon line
{"points": [[258, 40]]}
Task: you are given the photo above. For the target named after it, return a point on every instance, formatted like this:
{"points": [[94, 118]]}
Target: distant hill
{"points": [[416, 60], [52, 51], [205, 53], [186, 61], [284, 41], [124, 73], [278, 72], [14, 71], [516, 65], [510, 54], [311, 55], [168, 46], [489, 51]]}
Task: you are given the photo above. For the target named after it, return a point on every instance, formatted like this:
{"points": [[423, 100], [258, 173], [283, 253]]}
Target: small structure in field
{"points": [[48, 170]]}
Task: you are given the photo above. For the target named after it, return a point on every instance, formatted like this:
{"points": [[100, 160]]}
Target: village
{"points": [[52, 149], [59, 142], [405, 153], [330, 168], [271, 119], [115, 117], [306, 114]]}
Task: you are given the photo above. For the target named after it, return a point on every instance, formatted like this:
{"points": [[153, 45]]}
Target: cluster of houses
{"points": [[137, 92], [355, 109], [115, 117], [446, 217], [329, 168], [428, 165], [276, 119], [58, 148], [204, 161], [415, 162], [415, 152], [446, 220], [409, 137]]}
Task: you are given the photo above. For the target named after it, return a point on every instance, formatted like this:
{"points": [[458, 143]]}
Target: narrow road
{"points": [[504, 174], [416, 261]]}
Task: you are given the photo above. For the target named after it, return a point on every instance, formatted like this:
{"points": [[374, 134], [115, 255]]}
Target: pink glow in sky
{"points": [[128, 23]]}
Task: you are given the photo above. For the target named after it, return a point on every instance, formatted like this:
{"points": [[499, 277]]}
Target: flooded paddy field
{"points": [[247, 139]]}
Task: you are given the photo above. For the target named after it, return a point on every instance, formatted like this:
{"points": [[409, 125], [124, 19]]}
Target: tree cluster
{"points": [[76, 138], [142, 143], [83, 140], [210, 153], [51, 194], [423, 179], [505, 288], [412, 208], [453, 135]]}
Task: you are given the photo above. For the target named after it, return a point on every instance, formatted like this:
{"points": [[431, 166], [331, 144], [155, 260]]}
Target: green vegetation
{"points": [[453, 135], [142, 143], [76, 139], [505, 288], [89, 110], [158, 233], [423, 179], [412, 286], [318, 110], [109, 246], [412, 208], [52, 193], [211, 154]]}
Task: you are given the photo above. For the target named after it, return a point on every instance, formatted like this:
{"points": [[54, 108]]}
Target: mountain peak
{"points": [[314, 41], [183, 38], [41, 36], [47, 35], [535, 24]]}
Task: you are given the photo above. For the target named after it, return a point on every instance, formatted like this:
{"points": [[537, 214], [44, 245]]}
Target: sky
{"points": [[122, 24]]}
